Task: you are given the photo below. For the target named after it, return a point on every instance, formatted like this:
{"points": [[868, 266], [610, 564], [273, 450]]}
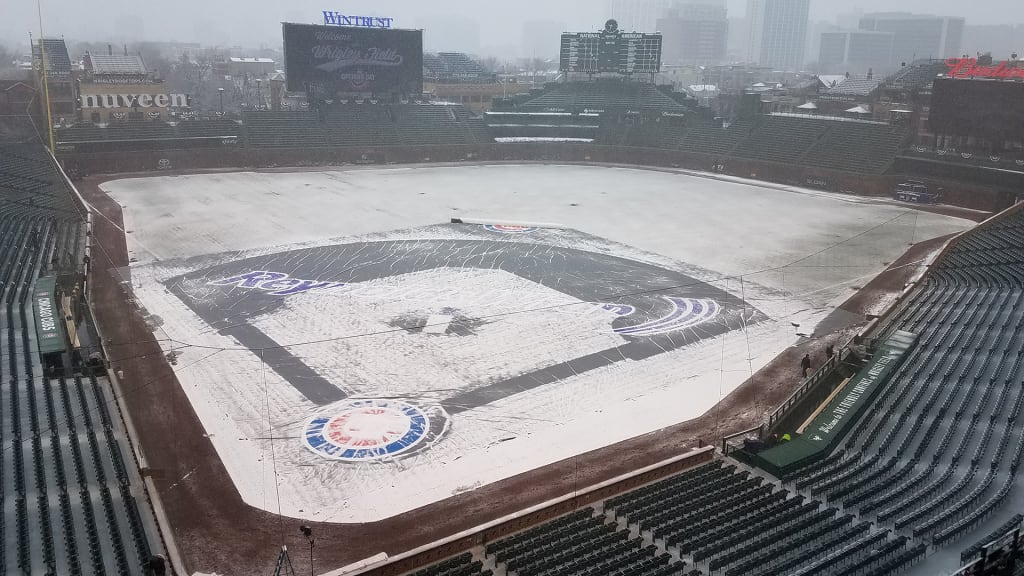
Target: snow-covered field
{"points": [[419, 366]]}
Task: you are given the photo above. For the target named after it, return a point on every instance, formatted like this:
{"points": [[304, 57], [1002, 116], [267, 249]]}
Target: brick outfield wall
{"points": [[988, 198]]}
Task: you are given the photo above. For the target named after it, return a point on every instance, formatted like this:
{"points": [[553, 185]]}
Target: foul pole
{"points": [[46, 82]]}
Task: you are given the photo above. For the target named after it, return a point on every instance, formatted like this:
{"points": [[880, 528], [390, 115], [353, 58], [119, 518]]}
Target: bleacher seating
{"points": [[933, 459], [938, 453], [603, 96], [782, 139], [67, 497], [423, 124], [712, 138], [284, 130], [865, 147], [604, 112], [350, 124]]}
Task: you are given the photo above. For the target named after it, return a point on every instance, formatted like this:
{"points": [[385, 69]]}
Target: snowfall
{"points": [[794, 254]]}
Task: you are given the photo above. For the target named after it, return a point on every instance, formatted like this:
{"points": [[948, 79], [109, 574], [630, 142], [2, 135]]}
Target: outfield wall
{"points": [[80, 164]]}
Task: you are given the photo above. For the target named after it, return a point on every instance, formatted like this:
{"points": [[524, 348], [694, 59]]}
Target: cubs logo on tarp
{"points": [[369, 430], [506, 229]]}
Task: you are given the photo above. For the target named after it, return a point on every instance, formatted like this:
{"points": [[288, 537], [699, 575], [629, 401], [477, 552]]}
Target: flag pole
{"points": [[46, 82]]}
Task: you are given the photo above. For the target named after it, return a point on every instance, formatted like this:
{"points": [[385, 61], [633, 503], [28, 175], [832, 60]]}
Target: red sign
{"points": [[968, 68]]}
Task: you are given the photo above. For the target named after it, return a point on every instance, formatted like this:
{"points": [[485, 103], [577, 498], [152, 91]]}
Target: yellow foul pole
{"points": [[46, 82]]}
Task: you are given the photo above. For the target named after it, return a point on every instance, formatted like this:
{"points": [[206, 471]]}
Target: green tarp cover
{"points": [[49, 324], [830, 426]]}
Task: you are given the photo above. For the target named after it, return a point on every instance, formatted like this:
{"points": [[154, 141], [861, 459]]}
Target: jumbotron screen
{"points": [[331, 59], [610, 51], [989, 109]]}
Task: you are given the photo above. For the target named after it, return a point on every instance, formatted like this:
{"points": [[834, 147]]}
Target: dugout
{"points": [[827, 430], [54, 305]]}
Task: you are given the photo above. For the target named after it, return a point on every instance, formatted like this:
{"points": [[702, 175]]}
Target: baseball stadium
{"points": [[358, 319]]}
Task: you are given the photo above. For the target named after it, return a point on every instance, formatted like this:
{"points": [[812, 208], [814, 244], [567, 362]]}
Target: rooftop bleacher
{"points": [[452, 67], [917, 76]]}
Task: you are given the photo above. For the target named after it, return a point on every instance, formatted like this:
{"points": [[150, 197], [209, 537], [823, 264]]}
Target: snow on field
{"points": [[801, 254]]}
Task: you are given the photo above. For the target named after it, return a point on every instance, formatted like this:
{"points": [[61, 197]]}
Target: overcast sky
{"points": [[253, 23]]}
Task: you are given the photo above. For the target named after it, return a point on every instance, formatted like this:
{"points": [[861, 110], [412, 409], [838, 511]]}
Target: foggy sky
{"points": [[255, 23]]}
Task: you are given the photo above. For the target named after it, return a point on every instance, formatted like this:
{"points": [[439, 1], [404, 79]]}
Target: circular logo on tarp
{"points": [[506, 229], [367, 430]]}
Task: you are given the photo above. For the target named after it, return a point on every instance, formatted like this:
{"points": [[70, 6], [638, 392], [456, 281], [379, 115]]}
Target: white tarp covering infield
{"points": [[709, 229]]}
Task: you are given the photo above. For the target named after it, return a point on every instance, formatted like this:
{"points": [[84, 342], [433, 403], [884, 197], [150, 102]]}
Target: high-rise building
{"points": [[815, 28], [541, 38], [917, 36], [855, 51], [1002, 40], [778, 32], [694, 34], [449, 32], [636, 15]]}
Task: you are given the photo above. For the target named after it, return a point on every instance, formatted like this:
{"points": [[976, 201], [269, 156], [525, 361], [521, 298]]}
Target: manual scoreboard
{"points": [[611, 51]]}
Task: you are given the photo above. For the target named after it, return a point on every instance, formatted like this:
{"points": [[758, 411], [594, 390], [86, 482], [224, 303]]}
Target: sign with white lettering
{"points": [[134, 100], [330, 60], [49, 327]]}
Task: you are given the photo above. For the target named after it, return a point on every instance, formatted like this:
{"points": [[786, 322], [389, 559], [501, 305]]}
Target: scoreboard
{"points": [[611, 51]]}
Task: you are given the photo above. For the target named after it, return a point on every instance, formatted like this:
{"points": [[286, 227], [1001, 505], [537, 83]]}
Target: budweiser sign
{"points": [[968, 68]]}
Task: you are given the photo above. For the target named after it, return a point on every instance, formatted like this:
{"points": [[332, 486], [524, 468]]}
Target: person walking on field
{"points": [[805, 364], [829, 352]]}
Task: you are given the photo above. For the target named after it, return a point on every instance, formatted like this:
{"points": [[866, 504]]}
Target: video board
{"points": [[989, 109], [330, 60]]}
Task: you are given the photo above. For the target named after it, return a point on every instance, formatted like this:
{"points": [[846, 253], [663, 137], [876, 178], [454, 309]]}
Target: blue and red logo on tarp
{"points": [[508, 229], [367, 430]]}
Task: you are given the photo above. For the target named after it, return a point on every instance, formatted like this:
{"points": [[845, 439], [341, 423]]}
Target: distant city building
{"points": [[257, 67], [814, 31], [450, 32], [637, 15], [736, 44], [778, 33], [917, 36], [541, 38], [1002, 40], [855, 51], [694, 34]]}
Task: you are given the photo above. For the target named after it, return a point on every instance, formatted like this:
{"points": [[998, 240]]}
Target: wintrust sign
{"points": [[134, 100]]}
